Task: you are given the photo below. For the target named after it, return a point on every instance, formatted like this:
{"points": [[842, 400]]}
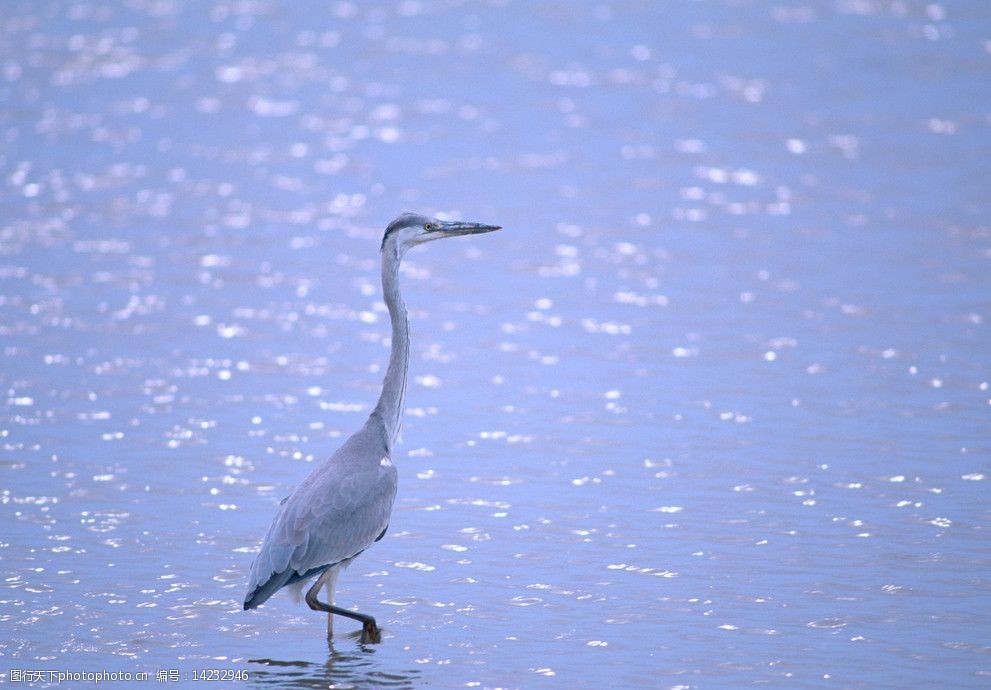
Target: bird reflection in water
{"points": [[342, 670]]}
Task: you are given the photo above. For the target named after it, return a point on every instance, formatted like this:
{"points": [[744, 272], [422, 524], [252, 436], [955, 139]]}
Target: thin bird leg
{"points": [[370, 632]]}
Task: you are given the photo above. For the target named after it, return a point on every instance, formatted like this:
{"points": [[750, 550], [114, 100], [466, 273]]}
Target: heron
{"points": [[344, 505]]}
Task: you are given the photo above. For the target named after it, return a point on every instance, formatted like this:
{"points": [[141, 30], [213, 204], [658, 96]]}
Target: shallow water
{"points": [[711, 411]]}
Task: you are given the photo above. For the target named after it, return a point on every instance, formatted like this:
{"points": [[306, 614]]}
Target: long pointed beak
{"points": [[458, 227]]}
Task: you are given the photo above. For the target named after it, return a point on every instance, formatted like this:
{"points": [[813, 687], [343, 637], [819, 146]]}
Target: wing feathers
{"points": [[333, 515]]}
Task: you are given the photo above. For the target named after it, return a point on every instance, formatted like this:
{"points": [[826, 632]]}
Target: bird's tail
{"points": [[261, 593]]}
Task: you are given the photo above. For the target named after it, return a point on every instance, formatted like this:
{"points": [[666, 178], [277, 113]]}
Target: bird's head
{"points": [[411, 229]]}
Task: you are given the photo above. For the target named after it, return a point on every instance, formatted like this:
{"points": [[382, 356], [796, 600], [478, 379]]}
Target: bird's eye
{"points": [[428, 226]]}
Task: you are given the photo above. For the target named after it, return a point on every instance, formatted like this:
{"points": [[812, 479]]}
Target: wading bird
{"points": [[344, 505]]}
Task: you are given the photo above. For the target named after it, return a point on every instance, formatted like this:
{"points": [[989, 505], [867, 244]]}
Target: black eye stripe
{"points": [[406, 220]]}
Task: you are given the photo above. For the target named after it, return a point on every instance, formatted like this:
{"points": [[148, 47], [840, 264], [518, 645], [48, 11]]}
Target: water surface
{"points": [[711, 411]]}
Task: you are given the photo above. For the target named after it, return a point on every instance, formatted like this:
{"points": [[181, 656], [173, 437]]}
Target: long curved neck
{"points": [[390, 405]]}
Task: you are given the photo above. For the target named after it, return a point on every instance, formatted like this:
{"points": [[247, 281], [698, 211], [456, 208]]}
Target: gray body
{"points": [[344, 505], [341, 508]]}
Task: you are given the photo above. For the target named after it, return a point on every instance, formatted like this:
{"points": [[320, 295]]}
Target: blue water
{"points": [[712, 411]]}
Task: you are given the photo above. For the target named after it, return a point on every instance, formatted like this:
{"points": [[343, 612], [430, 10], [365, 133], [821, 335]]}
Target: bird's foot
{"points": [[370, 633]]}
